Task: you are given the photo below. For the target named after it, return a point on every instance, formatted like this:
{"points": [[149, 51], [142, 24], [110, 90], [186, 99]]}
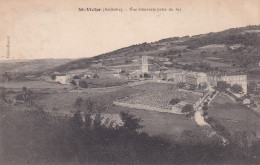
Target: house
{"points": [[246, 101], [174, 75], [63, 78]]}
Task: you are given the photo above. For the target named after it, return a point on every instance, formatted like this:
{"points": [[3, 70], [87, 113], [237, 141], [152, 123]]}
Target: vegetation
{"points": [[7, 76], [174, 101], [180, 84], [53, 76], [83, 84], [187, 108], [95, 75], [76, 77], [24, 95], [36, 138], [236, 88], [73, 82], [222, 86]]}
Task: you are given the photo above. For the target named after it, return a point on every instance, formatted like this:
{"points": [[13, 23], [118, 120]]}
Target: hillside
{"points": [[30, 66], [234, 49]]}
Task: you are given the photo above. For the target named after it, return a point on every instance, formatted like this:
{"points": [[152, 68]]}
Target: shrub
{"points": [[236, 88], [187, 108], [53, 76], [222, 86], [73, 82], [181, 84], [76, 77], [174, 101], [83, 84], [95, 75]]}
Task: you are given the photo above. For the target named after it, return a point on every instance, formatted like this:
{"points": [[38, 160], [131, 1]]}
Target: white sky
{"points": [[56, 29]]}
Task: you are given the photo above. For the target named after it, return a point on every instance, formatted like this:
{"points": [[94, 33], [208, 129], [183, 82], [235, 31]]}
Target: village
{"points": [[139, 71]]}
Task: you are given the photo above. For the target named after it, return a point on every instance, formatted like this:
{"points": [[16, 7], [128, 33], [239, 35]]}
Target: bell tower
{"points": [[144, 64]]}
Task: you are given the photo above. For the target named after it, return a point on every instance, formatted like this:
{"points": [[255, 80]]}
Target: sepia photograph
{"points": [[129, 82]]}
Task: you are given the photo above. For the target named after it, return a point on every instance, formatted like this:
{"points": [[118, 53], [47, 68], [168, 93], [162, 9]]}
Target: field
{"points": [[159, 95], [62, 102], [171, 126], [234, 116]]}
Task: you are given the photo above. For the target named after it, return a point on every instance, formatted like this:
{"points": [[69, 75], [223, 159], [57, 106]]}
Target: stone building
{"points": [[231, 79]]}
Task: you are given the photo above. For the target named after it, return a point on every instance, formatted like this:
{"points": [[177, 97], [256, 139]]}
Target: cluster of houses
{"points": [[139, 70]]}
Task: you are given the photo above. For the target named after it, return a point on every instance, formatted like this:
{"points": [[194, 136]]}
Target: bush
{"points": [[76, 77], [174, 101], [222, 86], [73, 82], [236, 88], [193, 87], [53, 76], [95, 75], [180, 84], [187, 108], [83, 84]]}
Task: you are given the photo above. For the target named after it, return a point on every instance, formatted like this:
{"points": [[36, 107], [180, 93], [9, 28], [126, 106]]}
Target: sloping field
{"points": [[168, 125], [234, 116]]}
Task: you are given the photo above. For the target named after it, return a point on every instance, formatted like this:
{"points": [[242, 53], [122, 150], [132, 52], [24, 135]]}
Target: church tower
{"points": [[144, 66]]}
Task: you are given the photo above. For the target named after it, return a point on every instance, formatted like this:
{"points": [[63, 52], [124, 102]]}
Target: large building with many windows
{"points": [[231, 79]]}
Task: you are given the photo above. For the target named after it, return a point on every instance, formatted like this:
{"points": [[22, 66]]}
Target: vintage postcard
{"points": [[129, 82]]}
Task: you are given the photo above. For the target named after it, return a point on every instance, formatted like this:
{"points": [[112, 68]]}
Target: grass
{"points": [[234, 116], [157, 123]]}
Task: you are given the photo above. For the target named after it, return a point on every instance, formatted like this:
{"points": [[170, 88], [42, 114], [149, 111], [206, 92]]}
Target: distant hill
{"points": [[30, 66], [236, 48]]}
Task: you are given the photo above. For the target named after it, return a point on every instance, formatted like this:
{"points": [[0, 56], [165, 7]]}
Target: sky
{"points": [[57, 29]]}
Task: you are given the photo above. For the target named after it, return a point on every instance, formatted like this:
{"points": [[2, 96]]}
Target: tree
{"points": [[222, 86], [97, 121], [25, 95], [7, 76], [3, 94], [83, 84], [73, 82], [78, 102], [236, 88], [76, 77], [89, 105], [174, 101], [76, 121], [95, 75], [53, 76], [192, 87], [187, 108], [88, 121], [180, 84], [131, 123]]}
